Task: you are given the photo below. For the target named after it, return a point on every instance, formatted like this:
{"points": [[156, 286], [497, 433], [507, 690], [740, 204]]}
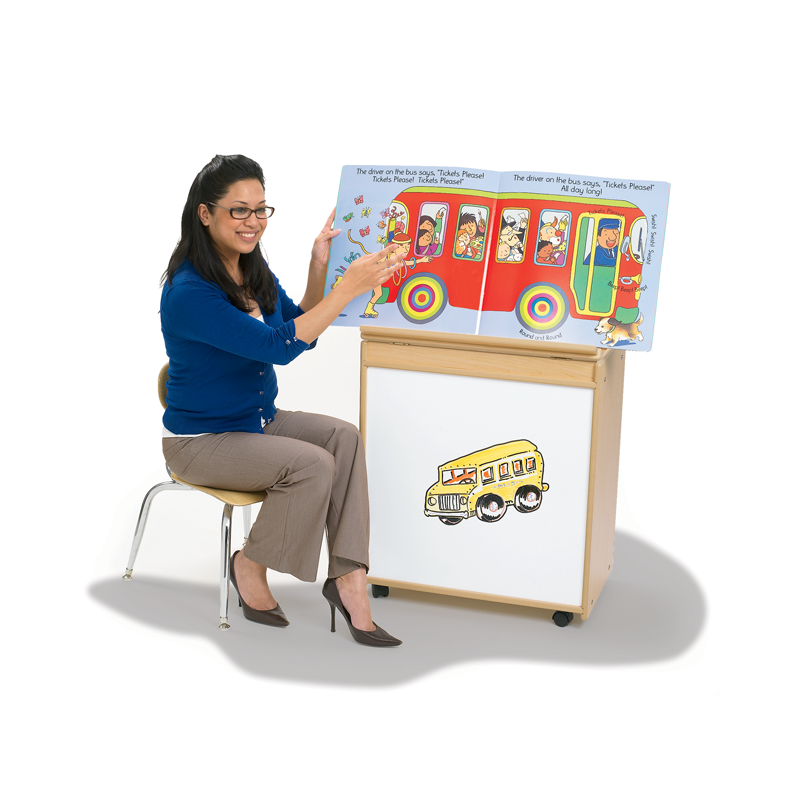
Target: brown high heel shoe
{"points": [[274, 616], [376, 638]]}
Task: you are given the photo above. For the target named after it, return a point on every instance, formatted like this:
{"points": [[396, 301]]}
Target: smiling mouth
{"points": [[246, 236]]}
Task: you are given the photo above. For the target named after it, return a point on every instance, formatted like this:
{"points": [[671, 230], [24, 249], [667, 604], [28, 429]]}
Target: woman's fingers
{"points": [[328, 234]]}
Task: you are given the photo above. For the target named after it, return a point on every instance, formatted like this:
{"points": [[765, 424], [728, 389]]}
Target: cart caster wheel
{"points": [[380, 591], [563, 618]]}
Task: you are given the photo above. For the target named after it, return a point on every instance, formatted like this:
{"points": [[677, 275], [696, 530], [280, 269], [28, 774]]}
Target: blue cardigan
{"points": [[221, 377]]}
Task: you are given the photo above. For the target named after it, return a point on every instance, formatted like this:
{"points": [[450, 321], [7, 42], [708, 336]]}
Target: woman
{"points": [[226, 320]]}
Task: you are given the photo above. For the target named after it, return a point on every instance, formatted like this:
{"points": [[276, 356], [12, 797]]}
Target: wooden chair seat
{"points": [[225, 495]]}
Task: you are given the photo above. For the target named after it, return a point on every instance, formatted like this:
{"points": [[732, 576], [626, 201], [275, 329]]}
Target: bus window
{"points": [[511, 240], [471, 235], [487, 474], [638, 239], [504, 471], [554, 229], [530, 464], [518, 467], [451, 477], [431, 227]]}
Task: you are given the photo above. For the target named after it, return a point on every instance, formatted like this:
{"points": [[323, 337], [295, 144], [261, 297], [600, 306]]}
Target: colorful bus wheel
{"points": [[527, 499], [450, 520], [542, 307], [490, 508], [422, 298]]}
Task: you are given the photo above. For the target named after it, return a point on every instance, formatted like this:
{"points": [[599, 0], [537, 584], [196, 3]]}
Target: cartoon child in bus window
{"points": [[470, 236], [544, 253], [380, 293], [429, 235], [505, 253]]}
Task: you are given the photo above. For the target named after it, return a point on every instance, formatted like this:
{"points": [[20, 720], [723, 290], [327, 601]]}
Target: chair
{"points": [[228, 497]]}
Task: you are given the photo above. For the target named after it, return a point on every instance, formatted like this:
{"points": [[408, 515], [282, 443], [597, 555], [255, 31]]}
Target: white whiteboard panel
{"points": [[417, 421]]}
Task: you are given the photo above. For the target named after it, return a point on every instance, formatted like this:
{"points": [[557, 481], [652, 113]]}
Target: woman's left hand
{"points": [[322, 245]]}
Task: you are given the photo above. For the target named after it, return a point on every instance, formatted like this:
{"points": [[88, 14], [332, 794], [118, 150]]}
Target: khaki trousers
{"points": [[314, 472]]}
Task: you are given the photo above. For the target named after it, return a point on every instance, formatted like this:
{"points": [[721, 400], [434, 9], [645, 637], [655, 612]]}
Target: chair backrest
{"points": [[162, 385]]}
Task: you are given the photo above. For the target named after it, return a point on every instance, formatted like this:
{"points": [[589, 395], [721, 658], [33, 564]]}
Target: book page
{"points": [[575, 259], [442, 218]]}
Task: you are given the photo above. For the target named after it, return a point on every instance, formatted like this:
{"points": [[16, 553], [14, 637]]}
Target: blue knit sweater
{"points": [[221, 377]]}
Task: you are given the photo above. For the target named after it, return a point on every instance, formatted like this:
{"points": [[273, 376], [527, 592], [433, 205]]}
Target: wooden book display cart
{"points": [[493, 466]]}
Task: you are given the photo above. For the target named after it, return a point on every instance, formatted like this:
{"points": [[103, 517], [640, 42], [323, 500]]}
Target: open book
{"points": [[533, 255]]}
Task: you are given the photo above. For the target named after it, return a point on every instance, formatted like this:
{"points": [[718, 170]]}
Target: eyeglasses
{"points": [[242, 212]]}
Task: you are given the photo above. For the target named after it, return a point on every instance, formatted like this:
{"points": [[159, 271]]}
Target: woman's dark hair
{"points": [[196, 246]]}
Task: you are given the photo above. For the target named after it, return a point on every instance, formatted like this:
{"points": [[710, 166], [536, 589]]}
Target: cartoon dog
{"points": [[617, 331]]}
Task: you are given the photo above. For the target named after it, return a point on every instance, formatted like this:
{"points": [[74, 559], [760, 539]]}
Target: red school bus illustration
{"points": [[549, 256]]}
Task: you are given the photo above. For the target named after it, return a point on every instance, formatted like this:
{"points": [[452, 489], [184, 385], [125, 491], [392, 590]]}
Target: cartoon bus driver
{"points": [[605, 253]]}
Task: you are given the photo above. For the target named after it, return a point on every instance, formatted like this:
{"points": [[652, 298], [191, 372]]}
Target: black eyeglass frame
{"points": [[250, 211]]}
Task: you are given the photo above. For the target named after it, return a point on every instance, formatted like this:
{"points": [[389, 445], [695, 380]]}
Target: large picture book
{"points": [[536, 255]]}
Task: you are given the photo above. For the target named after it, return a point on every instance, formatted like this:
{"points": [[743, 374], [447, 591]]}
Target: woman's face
{"points": [[425, 238], [234, 236]]}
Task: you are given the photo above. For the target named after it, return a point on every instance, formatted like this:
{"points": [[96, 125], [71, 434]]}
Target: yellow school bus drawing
{"points": [[483, 483]]}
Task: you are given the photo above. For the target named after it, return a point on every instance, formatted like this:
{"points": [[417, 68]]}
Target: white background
{"points": [[682, 682]]}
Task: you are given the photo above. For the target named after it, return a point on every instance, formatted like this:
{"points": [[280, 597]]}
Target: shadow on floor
{"points": [[651, 609]]}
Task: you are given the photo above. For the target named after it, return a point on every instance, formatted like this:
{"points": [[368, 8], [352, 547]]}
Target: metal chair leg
{"points": [[224, 566], [142, 522], [246, 520]]}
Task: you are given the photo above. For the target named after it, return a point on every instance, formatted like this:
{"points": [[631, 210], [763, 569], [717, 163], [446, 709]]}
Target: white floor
{"points": [[683, 682]]}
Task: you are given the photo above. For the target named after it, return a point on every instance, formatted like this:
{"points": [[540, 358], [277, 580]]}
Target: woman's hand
{"points": [[362, 276], [368, 272], [321, 249]]}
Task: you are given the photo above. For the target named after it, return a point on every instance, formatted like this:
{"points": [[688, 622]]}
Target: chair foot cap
{"points": [[128, 576]]}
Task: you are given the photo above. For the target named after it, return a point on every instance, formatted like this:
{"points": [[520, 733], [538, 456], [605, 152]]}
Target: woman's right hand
{"points": [[362, 276], [369, 271]]}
